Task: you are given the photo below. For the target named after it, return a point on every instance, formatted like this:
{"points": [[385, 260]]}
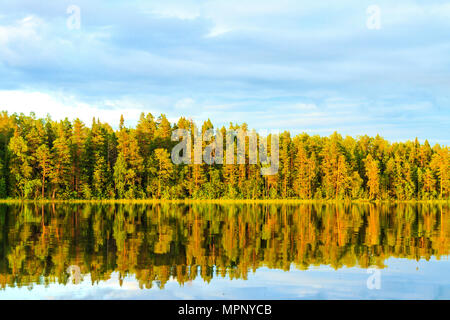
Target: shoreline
{"points": [[221, 201]]}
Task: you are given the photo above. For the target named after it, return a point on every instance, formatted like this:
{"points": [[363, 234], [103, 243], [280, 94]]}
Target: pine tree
{"points": [[133, 163], [335, 168], [429, 181], [285, 163], [163, 130], [20, 165], [305, 170], [100, 178], [120, 176], [61, 162], [165, 168], [145, 133], [78, 143], [373, 177], [440, 163], [44, 159]]}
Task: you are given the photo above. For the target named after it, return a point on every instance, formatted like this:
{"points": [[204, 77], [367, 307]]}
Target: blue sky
{"points": [[285, 64]]}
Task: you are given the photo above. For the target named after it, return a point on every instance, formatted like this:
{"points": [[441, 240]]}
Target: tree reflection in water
{"points": [[154, 242]]}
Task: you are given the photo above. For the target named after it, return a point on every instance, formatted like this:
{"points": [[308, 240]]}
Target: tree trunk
{"points": [[43, 184]]}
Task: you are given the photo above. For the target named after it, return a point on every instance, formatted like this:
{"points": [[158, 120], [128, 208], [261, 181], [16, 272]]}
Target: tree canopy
{"points": [[46, 159]]}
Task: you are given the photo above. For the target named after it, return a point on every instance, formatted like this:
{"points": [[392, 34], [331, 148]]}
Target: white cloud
{"points": [[26, 30], [218, 31], [22, 33], [305, 107], [185, 104], [184, 10], [288, 63], [397, 13], [59, 106]]}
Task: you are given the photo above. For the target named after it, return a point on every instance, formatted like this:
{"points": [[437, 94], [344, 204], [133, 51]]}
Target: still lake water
{"points": [[229, 251]]}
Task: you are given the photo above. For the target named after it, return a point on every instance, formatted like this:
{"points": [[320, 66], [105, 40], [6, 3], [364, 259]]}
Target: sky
{"points": [[357, 67]]}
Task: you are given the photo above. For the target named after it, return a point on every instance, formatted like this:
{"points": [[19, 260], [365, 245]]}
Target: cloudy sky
{"points": [[274, 64]]}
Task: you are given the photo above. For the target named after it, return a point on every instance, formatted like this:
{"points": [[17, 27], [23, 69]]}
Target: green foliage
{"points": [[42, 158]]}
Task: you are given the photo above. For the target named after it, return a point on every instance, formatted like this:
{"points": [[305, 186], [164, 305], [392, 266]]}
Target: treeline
{"points": [[155, 243], [46, 159]]}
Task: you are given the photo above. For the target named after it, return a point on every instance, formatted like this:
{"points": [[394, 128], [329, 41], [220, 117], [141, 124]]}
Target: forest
{"points": [[45, 159]]}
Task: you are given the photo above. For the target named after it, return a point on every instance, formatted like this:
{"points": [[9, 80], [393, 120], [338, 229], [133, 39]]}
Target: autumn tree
{"points": [[440, 163], [373, 177], [20, 165], [65, 160], [44, 159], [305, 173], [285, 164], [164, 169], [78, 143], [61, 162], [129, 166], [335, 168]]}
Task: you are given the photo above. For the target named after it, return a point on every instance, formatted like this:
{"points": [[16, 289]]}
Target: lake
{"points": [[224, 251]]}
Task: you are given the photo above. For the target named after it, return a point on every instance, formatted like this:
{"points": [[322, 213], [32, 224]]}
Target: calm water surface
{"points": [[210, 251]]}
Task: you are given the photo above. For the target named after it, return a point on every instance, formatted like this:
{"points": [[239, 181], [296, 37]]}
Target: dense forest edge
{"points": [[46, 160]]}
